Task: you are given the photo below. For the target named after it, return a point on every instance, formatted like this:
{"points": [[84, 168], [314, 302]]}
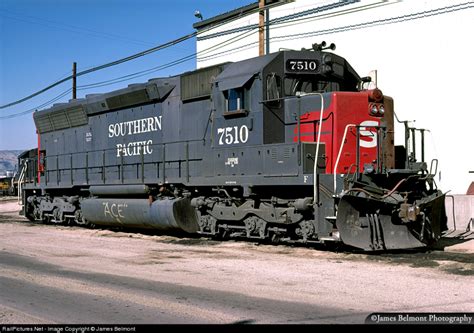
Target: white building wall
{"points": [[422, 51]]}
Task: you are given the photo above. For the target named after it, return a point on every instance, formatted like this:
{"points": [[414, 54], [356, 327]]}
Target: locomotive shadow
{"points": [[169, 236], [183, 238], [449, 262], [445, 242]]}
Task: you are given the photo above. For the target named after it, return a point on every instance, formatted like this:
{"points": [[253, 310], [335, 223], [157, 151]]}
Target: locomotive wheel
{"points": [[80, 220], [30, 212], [89, 224], [45, 219], [30, 216], [275, 239], [57, 216]]}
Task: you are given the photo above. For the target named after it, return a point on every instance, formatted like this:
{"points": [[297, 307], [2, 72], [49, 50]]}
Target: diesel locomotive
{"points": [[288, 147]]}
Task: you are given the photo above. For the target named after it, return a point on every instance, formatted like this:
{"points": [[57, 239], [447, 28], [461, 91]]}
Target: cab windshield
{"points": [[311, 84]]}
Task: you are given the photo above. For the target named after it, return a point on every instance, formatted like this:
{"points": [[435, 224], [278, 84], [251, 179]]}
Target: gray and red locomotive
{"points": [[287, 147]]}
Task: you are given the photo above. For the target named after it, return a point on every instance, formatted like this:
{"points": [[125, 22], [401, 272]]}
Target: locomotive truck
{"points": [[289, 147]]}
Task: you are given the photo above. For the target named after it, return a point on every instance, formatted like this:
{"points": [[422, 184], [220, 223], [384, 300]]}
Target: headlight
{"points": [[381, 110], [373, 109]]}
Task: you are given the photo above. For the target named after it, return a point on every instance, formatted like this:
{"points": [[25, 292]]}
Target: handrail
{"points": [[316, 154], [379, 157], [115, 148], [104, 166], [340, 151], [20, 180], [318, 139]]}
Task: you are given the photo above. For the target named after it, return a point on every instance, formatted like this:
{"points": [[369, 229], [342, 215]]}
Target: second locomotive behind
{"points": [[287, 146]]}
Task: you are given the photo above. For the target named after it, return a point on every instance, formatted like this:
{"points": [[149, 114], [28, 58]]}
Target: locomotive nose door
{"points": [[273, 110]]}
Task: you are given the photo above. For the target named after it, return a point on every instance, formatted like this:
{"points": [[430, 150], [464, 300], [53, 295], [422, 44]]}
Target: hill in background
{"points": [[8, 160]]}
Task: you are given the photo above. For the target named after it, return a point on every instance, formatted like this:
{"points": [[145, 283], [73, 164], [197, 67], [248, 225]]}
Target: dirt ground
{"points": [[63, 274]]}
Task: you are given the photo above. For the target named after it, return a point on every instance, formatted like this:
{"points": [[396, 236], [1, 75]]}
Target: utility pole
{"points": [[267, 31], [74, 65], [261, 23]]}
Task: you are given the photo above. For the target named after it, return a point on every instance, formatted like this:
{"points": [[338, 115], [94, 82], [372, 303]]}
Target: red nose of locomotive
{"points": [[368, 113]]}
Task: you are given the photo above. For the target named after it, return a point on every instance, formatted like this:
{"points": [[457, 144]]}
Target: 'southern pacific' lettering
{"points": [[137, 126], [135, 148]]}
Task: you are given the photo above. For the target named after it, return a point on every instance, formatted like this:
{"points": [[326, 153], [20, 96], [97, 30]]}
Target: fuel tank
{"points": [[162, 214]]}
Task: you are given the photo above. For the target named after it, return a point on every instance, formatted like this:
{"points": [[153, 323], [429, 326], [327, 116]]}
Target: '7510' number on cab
{"points": [[233, 135]]}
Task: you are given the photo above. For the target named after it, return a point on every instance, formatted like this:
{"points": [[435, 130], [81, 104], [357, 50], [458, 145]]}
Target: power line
{"points": [[402, 18], [120, 61], [67, 27], [391, 20], [133, 75], [117, 62], [290, 17], [167, 65], [110, 64], [54, 99], [127, 77]]}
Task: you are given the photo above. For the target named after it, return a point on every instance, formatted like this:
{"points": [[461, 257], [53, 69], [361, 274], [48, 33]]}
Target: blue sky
{"points": [[40, 39]]}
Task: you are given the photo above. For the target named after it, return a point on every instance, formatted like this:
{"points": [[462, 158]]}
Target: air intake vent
{"points": [[128, 99], [60, 119], [198, 84], [274, 154]]}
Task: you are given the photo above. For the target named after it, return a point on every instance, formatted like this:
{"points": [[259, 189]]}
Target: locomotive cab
{"points": [[314, 122]]}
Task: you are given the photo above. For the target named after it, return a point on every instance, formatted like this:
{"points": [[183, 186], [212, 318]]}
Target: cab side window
{"points": [[273, 90], [235, 99]]}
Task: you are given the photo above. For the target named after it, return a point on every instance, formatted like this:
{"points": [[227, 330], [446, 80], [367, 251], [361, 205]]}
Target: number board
{"points": [[302, 65]]}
